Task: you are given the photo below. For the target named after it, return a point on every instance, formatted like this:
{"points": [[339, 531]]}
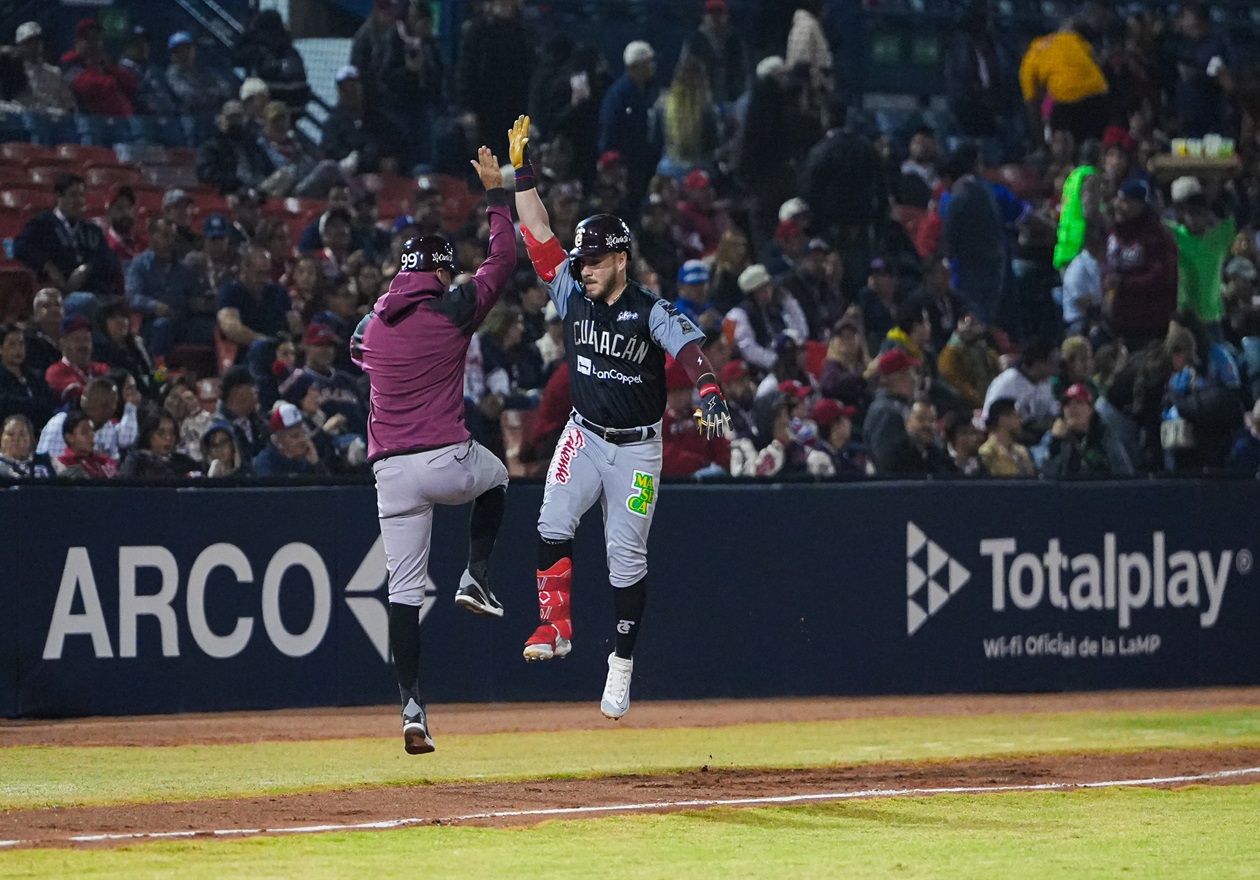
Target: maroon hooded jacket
{"points": [[413, 345], [1142, 273]]}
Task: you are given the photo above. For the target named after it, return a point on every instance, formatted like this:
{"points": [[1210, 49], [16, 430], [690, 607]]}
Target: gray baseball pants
{"points": [[624, 478], [407, 487]]}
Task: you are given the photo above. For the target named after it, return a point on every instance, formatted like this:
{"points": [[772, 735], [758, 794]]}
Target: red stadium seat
{"points": [[116, 175], [172, 176], [17, 292], [815, 355], [85, 156], [27, 199], [13, 175], [44, 175], [181, 156], [24, 153]]}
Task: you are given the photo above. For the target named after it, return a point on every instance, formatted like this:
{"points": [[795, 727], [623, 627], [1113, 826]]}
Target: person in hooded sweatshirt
{"points": [[413, 346], [1140, 279]]}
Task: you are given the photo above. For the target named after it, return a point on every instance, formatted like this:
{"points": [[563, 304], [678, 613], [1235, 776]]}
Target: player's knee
{"points": [[407, 594], [626, 569]]}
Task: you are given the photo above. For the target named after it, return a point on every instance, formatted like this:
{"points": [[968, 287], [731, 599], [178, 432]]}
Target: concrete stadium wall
{"points": [[130, 600]]}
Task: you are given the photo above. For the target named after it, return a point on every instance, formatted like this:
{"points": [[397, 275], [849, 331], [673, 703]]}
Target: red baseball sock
{"points": [[553, 596]]}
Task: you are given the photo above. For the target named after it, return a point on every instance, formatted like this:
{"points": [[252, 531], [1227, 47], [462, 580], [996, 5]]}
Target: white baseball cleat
{"points": [[616, 699], [546, 643]]}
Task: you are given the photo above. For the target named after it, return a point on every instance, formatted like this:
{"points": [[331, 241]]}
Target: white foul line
{"points": [[654, 805]]}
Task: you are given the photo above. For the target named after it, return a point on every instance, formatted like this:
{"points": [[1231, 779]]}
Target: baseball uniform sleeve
{"points": [[493, 275], [670, 329]]}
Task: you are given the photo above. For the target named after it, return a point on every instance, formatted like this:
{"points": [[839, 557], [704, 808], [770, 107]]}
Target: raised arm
{"points": [[493, 275], [529, 206]]}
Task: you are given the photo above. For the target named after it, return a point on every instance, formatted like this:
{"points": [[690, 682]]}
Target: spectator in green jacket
{"points": [[1082, 199], [1203, 245]]}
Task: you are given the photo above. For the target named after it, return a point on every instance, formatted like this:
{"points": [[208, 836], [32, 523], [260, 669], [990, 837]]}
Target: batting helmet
{"points": [[428, 253], [597, 236]]}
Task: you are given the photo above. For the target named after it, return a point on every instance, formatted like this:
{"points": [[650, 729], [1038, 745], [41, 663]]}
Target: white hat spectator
{"points": [[27, 31], [793, 208], [347, 71], [637, 52], [1186, 188], [753, 278], [253, 87], [769, 66]]}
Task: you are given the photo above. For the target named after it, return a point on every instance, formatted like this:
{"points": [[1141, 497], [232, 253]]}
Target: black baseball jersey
{"points": [[616, 354]]}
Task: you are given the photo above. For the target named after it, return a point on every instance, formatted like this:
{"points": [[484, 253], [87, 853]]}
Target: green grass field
{"points": [[1195, 832]]}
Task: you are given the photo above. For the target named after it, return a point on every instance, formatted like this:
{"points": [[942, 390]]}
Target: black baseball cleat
{"points": [[416, 739], [476, 596]]}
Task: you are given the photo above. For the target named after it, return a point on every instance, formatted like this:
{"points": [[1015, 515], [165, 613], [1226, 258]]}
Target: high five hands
{"points": [[518, 138], [487, 167]]}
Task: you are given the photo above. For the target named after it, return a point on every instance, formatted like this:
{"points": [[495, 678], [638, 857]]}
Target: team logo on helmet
{"points": [[427, 253]]}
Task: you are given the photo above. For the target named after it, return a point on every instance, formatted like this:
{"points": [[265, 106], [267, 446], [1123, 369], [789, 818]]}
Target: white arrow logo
{"points": [[371, 612], [924, 572]]}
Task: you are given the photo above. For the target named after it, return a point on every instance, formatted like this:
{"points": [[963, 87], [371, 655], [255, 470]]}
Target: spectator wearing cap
{"points": [[238, 407], [879, 301], [23, 390], [197, 91], [913, 334], [1140, 279], [254, 97], [45, 91], [719, 47], [807, 46], [290, 451], [693, 292], [790, 239], [551, 343], [266, 51], [165, 291], [623, 117], [66, 250], [835, 438], [177, 210], [762, 315], [740, 392], [246, 207], [99, 401], [218, 262], [684, 120], [1029, 384], [1241, 276], [685, 452], [843, 179], [1062, 67], [337, 392], [1204, 59], [814, 281], [969, 363], [232, 157], [885, 422], [298, 388], [945, 306], [1082, 282], [120, 227], [919, 452], [844, 369], [152, 98], [1203, 245], [1079, 443], [963, 439], [100, 87], [360, 140], [699, 220], [1002, 454]]}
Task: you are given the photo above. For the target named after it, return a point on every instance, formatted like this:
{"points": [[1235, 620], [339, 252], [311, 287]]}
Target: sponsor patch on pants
{"points": [[644, 493]]}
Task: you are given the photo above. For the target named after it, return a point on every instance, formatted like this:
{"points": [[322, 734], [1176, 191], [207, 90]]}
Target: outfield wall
{"points": [[127, 601]]}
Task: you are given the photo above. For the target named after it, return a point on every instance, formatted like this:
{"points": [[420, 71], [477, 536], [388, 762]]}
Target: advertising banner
{"points": [[128, 601]]}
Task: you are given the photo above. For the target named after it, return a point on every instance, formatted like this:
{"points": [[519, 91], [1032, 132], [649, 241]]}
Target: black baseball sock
{"points": [[551, 552], [628, 605], [483, 529], [404, 642]]}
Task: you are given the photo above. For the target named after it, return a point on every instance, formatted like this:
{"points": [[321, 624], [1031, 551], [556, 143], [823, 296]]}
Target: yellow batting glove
{"points": [[518, 138]]}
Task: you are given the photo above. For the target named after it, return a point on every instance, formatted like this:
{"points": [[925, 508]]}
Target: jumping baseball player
{"points": [[617, 334], [412, 346]]}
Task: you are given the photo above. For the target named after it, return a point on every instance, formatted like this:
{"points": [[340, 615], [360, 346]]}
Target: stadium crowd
{"points": [[1027, 284]]}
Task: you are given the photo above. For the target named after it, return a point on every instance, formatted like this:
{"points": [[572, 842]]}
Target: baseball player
{"points": [[617, 334], [412, 346]]}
